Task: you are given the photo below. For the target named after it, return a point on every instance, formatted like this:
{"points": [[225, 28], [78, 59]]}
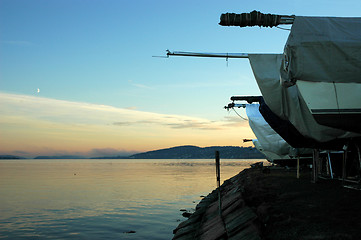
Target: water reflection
{"points": [[102, 198]]}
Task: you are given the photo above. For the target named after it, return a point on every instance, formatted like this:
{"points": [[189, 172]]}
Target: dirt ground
{"points": [[291, 208]]}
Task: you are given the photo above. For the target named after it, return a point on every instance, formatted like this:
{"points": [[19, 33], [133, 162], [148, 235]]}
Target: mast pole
{"points": [[215, 55]]}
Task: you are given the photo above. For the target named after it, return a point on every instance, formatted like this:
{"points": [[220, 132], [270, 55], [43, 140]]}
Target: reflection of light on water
{"points": [[76, 198]]}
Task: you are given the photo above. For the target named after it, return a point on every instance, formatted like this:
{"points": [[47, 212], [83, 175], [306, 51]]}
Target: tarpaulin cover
{"points": [[269, 142], [326, 49], [286, 102], [285, 129]]}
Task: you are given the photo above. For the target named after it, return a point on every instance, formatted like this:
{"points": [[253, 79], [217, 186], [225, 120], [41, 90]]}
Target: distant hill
{"points": [[179, 152], [194, 152], [10, 157], [111, 157], [60, 157]]}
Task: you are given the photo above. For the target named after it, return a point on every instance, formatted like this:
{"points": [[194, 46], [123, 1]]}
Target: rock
{"points": [[186, 214]]}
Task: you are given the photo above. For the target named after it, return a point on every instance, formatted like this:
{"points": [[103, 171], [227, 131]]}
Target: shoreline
{"points": [[274, 204]]}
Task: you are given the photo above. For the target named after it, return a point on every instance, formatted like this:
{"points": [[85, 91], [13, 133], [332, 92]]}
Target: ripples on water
{"points": [[102, 199]]}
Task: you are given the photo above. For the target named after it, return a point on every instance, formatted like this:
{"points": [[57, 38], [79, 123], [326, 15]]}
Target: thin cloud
{"points": [[196, 125], [176, 123], [141, 86], [44, 126], [67, 112], [234, 121], [122, 123], [131, 108]]}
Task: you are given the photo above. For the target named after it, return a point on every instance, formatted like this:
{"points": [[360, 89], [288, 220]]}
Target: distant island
{"points": [[179, 152], [60, 157], [10, 157], [194, 152]]}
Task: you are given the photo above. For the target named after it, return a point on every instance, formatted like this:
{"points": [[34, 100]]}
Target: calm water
{"points": [[102, 199]]}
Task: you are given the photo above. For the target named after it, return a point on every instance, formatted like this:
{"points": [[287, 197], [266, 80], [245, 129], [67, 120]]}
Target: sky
{"points": [[77, 77]]}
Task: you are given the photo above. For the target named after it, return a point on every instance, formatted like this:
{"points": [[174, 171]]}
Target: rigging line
{"points": [[239, 115], [283, 28]]}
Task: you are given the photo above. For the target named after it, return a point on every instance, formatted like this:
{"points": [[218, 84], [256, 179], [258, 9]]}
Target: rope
{"points": [[283, 28], [240, 115], [254, 18]]}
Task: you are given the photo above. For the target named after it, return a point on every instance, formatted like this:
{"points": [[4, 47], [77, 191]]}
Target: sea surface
{"points": [[103, 199]]}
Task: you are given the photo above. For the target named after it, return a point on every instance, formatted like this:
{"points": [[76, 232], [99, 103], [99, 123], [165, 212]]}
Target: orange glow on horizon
{"points": [[32, 127]]}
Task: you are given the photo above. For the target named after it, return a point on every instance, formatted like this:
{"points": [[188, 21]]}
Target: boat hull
{"points": [[336, 105]]}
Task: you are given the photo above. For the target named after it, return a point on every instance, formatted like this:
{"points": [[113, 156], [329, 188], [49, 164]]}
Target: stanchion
{"points": [[315, 165], [298, 167]]}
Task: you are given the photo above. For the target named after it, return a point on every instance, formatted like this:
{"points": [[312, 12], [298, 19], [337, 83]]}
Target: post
{"points": [[218, 172], [344, 164], [314, 165], [329, 164], [218, 176], [298, 167]]}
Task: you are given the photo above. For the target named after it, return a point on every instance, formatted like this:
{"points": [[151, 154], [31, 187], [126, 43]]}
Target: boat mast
{"points": [[215, 55]]}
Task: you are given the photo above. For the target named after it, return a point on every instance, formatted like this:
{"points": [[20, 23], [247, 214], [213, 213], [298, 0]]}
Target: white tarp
{"points": [[323, 49], [269, 142], [270, 155], [286, 102]]}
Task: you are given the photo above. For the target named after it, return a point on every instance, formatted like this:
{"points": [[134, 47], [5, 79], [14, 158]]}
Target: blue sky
{"points": [[99, 53]]}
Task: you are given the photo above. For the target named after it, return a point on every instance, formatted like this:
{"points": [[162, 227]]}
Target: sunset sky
{"points": [[78, 76]]}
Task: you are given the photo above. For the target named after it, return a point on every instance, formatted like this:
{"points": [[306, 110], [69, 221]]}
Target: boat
{"points": [[322, 59], [287, 103], [284, 108], [268, 141], [311, 91], [315, 83]]}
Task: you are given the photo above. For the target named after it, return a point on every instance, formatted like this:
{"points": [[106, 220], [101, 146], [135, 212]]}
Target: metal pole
{"points": [[298, 167], [314, 165], [329, 164], [216, 55], [344, 163]]}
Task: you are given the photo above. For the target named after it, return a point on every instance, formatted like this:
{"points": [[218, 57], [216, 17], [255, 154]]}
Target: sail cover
{"points": [[286, 102], [269, 142], [323, 49]]}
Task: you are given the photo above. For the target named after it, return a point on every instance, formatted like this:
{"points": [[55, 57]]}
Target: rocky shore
{"points": [[273, 204]]}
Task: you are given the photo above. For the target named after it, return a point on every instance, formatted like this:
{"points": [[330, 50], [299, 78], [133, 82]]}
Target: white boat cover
{"points": [[270, 143], [270, 155], [323, 49], [286, 102]]}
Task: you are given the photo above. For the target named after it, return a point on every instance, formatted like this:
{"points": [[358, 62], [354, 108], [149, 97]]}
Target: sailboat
{"points": [[311, 91], [322, 57], [268, 141], [315, 83]]}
